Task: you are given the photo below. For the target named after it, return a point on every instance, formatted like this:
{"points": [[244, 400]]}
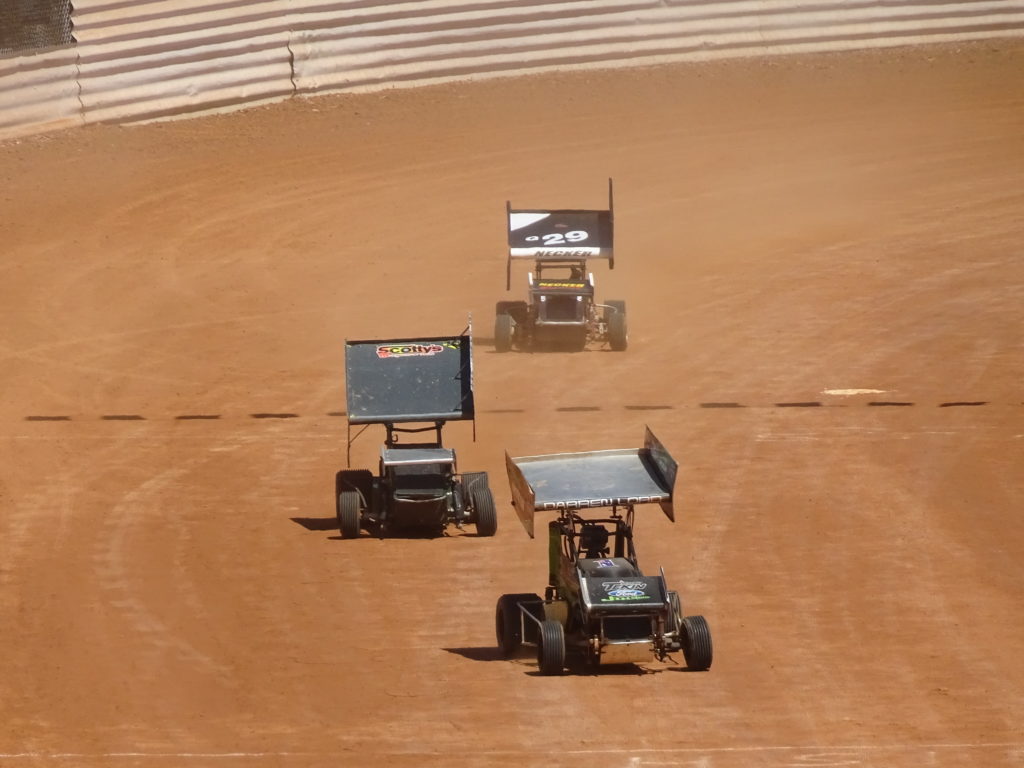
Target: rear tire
{"points": [[551, 648], [504, 327], [508, 623], [348, 514], [469, 481], [618, 337], [484, 511], [579, 341], [697, 643]]}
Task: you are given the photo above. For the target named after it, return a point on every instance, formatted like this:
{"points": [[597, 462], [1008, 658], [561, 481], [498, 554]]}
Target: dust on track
{"points": [[172, 590]]}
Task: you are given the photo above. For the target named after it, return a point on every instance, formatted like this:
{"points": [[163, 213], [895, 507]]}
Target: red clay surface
{"points": [[173, 591]]}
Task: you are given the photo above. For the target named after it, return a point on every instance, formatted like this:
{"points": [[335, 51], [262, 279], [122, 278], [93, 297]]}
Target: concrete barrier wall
{"points": [[144, 59], [380, 44], [39, 93], [155, 58]]}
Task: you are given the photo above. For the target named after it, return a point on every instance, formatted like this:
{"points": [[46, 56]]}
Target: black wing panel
{"points": [[538, 234], [403, 380]]}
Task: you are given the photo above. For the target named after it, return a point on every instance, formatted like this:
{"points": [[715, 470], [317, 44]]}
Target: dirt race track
{"points": [[173, 591]]}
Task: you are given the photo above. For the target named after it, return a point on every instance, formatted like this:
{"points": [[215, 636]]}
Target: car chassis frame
{"points": [[398, 383], [561, 310], [598, 607]]}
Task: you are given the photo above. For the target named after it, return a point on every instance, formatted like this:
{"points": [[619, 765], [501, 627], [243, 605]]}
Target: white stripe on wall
{"points": [[144, 59]]}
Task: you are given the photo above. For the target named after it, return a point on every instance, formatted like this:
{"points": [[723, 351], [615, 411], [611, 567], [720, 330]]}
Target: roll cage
{"points": [[618, 542]]}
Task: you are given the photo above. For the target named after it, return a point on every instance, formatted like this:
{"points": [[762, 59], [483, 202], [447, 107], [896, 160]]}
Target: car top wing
{"points": [[411, 379], [565, 234], [576, 481]]}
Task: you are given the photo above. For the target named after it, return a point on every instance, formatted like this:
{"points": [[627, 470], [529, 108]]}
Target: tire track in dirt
{"points": [[126, 595], [849, 235]]}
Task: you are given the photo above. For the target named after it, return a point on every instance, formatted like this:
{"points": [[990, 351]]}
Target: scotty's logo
{"points": [[408, 350]]}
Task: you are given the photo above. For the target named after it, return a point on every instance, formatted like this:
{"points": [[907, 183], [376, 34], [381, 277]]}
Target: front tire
{"points": [[504, 327], [697, 643], [551, 648], [483, 508], [508, 622], [348, 514], [618, 337]]}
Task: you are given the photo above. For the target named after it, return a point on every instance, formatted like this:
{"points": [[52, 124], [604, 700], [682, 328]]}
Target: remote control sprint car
{"points": [[561, 311], [418, 490], [599, 607]]}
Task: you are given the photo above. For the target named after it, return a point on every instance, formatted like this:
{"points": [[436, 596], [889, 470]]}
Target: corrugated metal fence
{"points": [[378, 43], [142, 59], [150, 59], [37, 91]]}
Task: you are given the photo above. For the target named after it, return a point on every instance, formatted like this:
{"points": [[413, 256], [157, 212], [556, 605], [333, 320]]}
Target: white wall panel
{"points": [[141, 59], [163, 57], [438, 38], [38, 93], [361, 45]]}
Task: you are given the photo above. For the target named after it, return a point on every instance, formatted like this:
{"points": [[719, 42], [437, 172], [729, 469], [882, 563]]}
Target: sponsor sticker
{"points": [[414, 350], [605, 564], [544, 252], [565, 253], [607, 502], [623, 590]]}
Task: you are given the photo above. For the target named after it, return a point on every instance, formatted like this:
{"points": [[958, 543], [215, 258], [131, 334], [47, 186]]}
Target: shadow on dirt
{"points": [[526, 659], [543, 346], [317, 523], [486, 653], [553, 349], [331, 524], [417, 534], [609, 670]]}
